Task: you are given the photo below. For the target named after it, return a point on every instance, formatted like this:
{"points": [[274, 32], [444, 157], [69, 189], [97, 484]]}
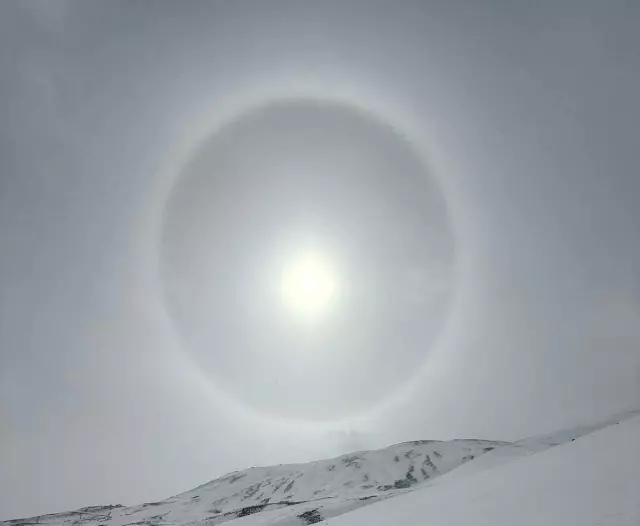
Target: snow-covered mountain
{"points": [[588, 480], [582, 476], [304, 491]]}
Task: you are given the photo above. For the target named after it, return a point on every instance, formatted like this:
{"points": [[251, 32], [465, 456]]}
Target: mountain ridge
{"points": [[306, 493], [344, 482]]}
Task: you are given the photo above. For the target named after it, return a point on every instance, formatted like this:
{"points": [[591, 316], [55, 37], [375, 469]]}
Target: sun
{"points": [[308, 285]]}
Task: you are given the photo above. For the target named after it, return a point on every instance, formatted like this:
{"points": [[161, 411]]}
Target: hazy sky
{"points": [[463, 174]]}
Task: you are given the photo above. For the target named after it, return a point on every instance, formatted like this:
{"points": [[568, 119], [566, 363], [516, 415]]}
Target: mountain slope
{"points": [[585, 476], [318, 489], [589, 481]]}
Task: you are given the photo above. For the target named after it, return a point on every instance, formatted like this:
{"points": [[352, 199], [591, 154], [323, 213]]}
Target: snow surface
{"points": [[594, 480], [582, 476], [332, 486]]}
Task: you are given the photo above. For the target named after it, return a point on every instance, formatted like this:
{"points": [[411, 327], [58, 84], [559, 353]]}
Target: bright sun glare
{"points": [[308, 285]]}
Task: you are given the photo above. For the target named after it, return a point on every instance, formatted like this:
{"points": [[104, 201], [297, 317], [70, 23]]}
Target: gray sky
{"points": [[469, 170]]}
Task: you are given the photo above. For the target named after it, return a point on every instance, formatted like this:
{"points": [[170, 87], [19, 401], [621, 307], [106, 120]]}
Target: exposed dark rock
{"points": [[408, 481], [251, 490], [427, 461], [311, 516], [250, 510], [236, 478], [351, 461], [277, 486]]}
